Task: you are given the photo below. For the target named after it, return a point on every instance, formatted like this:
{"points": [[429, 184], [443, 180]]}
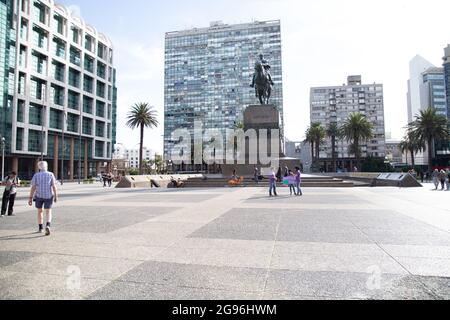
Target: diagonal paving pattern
{"points": [[382, 243]]}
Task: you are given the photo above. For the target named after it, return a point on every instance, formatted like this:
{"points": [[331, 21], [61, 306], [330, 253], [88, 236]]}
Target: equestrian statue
{"points": [[262, 80]]}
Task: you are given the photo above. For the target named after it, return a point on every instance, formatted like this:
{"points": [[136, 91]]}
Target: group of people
{"points": [[107, 179], [442, 179], [43, 193], [291, 178]]}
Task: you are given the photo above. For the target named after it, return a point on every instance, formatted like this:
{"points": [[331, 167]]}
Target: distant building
{"points": [[393, 153], [208, 72], [293, 149], [334, 105], [427, 88], [133, 156]]}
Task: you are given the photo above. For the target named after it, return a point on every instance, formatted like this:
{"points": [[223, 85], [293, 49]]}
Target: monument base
{"points": [[261, 117]]}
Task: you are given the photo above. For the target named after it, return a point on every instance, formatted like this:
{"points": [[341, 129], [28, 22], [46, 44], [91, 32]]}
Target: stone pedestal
{"points": [[260, 117]]}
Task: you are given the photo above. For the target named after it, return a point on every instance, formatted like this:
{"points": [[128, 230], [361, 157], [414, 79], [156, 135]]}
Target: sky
{"points": [[323, 41]]}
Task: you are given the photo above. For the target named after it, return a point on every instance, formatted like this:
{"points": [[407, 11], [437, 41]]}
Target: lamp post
{"points": [[3, 157], [79, 151], [63, 147]]}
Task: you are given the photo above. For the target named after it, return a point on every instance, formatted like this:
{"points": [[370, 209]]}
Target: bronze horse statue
{"points": [[262, 83]]}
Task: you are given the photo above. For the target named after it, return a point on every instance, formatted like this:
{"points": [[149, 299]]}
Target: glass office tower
{"points": [[58, 80], [208, 73]]}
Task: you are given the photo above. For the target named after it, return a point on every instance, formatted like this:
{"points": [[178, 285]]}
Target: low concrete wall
{"points": [[153, 181]]}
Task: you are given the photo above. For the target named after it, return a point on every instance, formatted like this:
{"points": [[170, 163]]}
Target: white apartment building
{"points": [[334, 105]]}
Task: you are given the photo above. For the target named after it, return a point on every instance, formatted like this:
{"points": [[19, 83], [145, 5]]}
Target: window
{"points": [[40, 37], [73, 100], [101, 70], [99, 149], [59, 48], [89, 63], [100, 109], [74, 78], [88, 84], [35, 114], [58, 71], [56, 117], [39, 63], [24, 30], [75, 56], [39, 12], [58, 24], [100, 129], [87, 126], [75, 34], [88, 104], [101, 51], [23, 56], [34, 141], [20, 110], [19, 139], [89, 43], [72, 122], [100, 89], [57, 94], [38, 88]]}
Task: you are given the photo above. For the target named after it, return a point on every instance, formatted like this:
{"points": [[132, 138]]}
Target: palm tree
{"points": [[142, 116], [310, 140], [410, 144], [428, 128], [356, 129], [319, 134], [333, 134]]}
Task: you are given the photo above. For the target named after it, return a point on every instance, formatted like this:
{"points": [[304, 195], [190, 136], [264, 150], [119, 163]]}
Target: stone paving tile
{"points": [[119, 290], [345, 285], [38, 286], [306, 199], [61, 265], [337, 262], [8, 258], [410, 251], [168, 198], [222, 257], [197, 276], [242, 224], [435, 267]]}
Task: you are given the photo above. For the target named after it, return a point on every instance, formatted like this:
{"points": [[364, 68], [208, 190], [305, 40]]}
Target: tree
{"points": [[355, 130], [310, 140], [428, 128], [315, 136], [410, 144], [142, 116], [333, 133]]}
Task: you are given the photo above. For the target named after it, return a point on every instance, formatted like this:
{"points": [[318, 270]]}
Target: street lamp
{"points": [[3, 157], [63, 147]]}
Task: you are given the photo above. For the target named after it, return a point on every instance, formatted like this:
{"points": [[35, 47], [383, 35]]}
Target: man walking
{"points": [[435, 178], [11, 183], [44, 193]]}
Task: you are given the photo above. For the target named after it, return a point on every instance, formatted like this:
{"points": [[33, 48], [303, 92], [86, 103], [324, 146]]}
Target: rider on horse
{"points": [[266, 67]]}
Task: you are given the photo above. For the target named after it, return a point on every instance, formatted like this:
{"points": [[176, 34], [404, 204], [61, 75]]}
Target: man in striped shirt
{"points": [[44, 194]]}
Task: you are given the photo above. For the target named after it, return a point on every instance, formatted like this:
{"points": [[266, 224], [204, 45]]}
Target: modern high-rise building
{"points": [[417, 66], [334, 105], [208, 72], [447, 77], [427, 88], [57, 79]]}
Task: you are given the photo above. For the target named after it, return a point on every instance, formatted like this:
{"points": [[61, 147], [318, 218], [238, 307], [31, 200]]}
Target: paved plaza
{"points": [[357, 243]]}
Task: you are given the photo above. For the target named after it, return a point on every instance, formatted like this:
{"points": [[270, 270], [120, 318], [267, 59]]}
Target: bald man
{"points": [[44, 193]]}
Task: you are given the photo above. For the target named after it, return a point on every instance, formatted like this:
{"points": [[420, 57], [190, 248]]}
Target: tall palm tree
{"points": [[410, 144], [333, 134], [355, 130], [428, 128], [310, 140], [142, 116], [319, 134]]}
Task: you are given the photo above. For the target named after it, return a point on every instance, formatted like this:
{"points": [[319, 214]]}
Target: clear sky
{"points": [[323, 41]]}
